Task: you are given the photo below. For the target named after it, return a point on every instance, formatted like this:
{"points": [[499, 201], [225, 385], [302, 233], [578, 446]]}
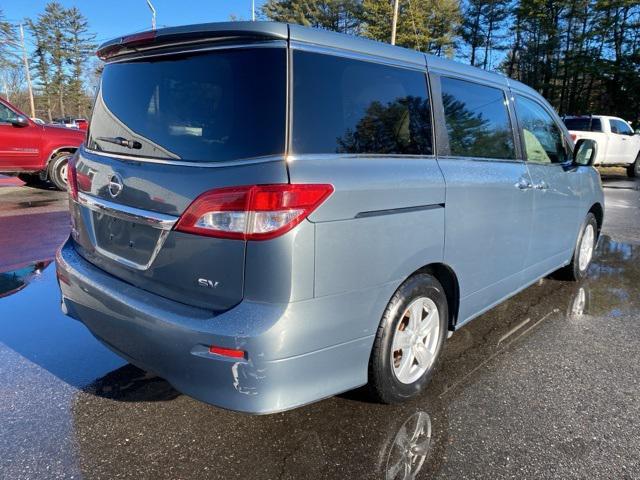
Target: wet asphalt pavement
{"points": [[546, 385]]}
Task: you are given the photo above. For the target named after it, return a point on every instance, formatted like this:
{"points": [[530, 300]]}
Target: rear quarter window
{"points": [[205, 107], [344, 105]]}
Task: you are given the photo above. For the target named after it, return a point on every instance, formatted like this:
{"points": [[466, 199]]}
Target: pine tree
{"points": [[8, 44], [337, 15], [80, 48], [425, 25]]}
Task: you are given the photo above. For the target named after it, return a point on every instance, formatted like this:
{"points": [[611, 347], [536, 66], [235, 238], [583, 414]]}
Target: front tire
{"points": [[633, 170], [583, 253], [409, 340], [58, 170]]}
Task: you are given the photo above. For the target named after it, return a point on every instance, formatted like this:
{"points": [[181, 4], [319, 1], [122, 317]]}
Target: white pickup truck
{"points": [[618, 144]]}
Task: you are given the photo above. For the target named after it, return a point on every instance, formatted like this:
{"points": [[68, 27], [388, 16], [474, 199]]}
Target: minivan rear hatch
{"points": [[167, 127]]}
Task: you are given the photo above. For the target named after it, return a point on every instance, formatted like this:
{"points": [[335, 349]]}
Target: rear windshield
{"points": [[211, 107], [583, 124]]}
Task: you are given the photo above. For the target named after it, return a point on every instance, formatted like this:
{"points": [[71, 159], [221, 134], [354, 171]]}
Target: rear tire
{"points": [[633, 170], [583, 253], [409, 340], [58, 170]]}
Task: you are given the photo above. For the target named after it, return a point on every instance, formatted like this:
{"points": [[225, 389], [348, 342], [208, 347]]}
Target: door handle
{"points": [[541, 186], [523, 184]]}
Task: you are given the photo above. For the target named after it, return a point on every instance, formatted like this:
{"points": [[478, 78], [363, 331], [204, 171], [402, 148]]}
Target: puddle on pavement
{"points": [[128, 423], [15, 280]]}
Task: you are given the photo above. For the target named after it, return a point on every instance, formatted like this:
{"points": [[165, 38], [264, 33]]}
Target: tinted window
{"points": [[620, 127], [544, 142], [6, 115], [583, 124], [477, 120], [209, 107], [350, 106]]}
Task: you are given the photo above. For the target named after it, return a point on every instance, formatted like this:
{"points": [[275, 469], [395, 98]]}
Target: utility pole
{"points": [[253, 10], [153, 15], [27, 73], [394, 22]]}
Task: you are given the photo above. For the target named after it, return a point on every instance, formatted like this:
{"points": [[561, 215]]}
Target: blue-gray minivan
{"points": [[266, 214]]}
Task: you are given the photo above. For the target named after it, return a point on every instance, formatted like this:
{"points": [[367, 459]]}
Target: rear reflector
{"points": [[227, 352], [252, 212]]}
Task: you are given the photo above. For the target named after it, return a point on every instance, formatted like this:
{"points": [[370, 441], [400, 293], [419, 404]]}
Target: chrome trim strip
{"points": [[393, 211], [310, 47], [341, 156], [153, 219], [231, 163], [140, 52]]}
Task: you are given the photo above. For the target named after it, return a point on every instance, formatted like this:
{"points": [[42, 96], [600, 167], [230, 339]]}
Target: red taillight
{"points": [[252, 212], [573, 136], [227, 352], [72, 177]]}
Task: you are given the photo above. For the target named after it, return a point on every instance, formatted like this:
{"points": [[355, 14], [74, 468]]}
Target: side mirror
{"points": [[584, 153], [19, 121]]}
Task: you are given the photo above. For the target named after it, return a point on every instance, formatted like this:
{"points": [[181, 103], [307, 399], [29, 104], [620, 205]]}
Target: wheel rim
{"points": [[410, 448], [586, 247], [415, 340], [63, 173]]}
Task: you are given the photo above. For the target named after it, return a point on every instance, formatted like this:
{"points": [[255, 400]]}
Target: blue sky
{"points": [[112, 18]]}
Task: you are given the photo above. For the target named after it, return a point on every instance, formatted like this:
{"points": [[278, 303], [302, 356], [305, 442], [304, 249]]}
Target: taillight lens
{"points": [[252, 212], [573, 136], [72, 177]]}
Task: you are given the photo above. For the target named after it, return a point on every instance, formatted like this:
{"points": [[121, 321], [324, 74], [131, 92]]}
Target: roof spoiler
{"points": [[224, 31]]}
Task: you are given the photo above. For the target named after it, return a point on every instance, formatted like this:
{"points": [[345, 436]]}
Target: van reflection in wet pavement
{"points": [[543, 385]]}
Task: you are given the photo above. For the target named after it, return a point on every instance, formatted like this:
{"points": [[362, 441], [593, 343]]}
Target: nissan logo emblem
{"points": [[115, 185]]}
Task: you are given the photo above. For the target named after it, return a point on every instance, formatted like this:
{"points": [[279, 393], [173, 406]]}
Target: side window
{"points": [[6, 114], [477, 120], [342, 105], [620, 127], [543, 139]]}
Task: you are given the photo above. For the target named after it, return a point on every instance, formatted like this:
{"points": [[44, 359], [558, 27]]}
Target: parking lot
{"points": [[546, 385]]}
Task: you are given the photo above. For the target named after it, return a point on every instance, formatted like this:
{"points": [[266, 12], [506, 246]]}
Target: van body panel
{"points": [[166, 187], [281, 270], [359, 227], [487, 227]]}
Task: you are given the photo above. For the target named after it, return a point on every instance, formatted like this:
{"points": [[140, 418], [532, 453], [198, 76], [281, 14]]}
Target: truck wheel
{"points": [[633, 170], [58, 170]]}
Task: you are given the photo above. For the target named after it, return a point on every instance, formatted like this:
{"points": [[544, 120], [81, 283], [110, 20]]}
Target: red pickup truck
{"points": [[35, 152]]}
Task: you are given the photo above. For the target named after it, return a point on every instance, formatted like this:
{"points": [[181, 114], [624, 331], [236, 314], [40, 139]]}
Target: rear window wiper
{"points": [[123, 142]]}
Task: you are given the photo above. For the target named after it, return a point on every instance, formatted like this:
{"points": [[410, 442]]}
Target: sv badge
{"points": [[204, 282]]}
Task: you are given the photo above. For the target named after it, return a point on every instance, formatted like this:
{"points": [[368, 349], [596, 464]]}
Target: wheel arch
{"points": [[598, 212], [57, 150], [449, 281]]}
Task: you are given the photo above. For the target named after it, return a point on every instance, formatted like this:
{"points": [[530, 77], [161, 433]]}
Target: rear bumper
{"points": [[171, 339]]}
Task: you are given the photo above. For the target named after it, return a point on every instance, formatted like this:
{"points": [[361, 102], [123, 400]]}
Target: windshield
{"points": [[585, 124], [206, 107]]}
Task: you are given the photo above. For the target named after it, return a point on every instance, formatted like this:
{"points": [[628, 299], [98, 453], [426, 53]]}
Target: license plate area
{"points": [[124, 239]]}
